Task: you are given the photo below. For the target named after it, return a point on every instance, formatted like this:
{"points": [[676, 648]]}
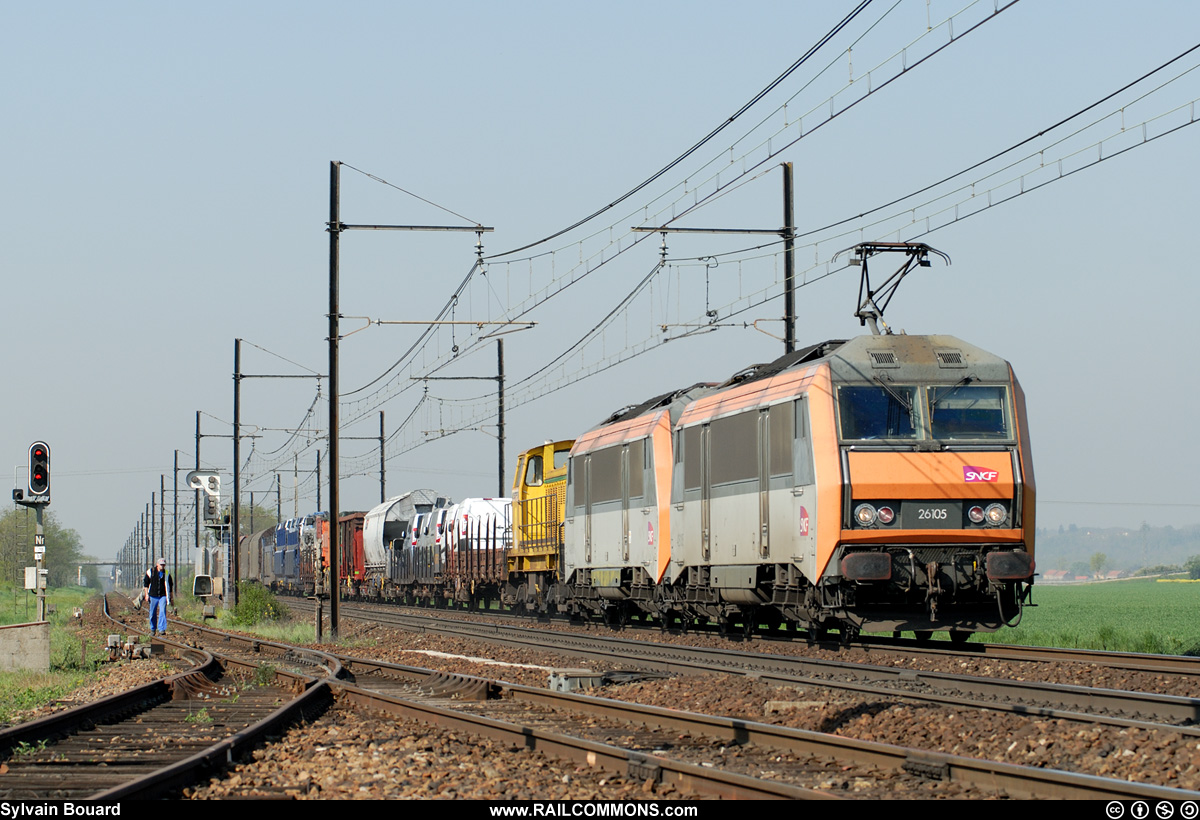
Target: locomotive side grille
{"points": [[950, 358], [883, 358]]}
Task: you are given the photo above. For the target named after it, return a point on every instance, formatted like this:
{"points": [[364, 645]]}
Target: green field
{"points": [[70, 667], [1134, 615]]}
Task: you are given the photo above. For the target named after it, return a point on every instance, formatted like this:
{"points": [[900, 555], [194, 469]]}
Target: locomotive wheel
{"points": [[923, 634], [959, 637], [615, 618]]}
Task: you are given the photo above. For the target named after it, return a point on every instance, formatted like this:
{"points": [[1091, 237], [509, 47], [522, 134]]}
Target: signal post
{"points": [[38, 486]]}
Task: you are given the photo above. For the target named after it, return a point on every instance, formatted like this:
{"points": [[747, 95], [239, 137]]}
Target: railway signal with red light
{"points": [[39, 469]]}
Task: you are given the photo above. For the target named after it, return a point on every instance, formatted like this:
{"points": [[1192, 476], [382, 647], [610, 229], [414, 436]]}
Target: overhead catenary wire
{"points": [[396, 433], [515, 399], [1007, 150], [720, 190], [813, 49], [410, 193], [596, 265]]}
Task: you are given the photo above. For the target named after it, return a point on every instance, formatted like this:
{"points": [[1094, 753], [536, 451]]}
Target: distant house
{"points": [[1055, 576]]}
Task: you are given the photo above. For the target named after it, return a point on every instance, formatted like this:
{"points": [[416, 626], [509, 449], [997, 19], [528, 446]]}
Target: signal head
{"points": [[39, 468]]}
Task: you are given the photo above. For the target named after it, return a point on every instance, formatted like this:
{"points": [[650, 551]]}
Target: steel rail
{"points": [[1129, 661], [65, 723], [630, 763], [636, 765], [169, 779], [1111, 706], [128, 768], [1013, 779], [285, 653], [908, 647], [991, 776]]}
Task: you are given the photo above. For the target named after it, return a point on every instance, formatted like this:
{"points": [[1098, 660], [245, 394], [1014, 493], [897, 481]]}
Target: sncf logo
{"points": [[980, 474]]}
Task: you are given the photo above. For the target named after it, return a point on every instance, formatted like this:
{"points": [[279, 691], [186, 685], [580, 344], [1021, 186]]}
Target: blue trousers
{"points": [[158, 613]]}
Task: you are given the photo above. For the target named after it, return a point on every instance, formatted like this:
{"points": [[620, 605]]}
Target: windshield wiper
{"points": [[903, 402], [938, 396]]}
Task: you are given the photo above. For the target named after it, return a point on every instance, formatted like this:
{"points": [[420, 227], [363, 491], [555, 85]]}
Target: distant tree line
{"points": [[1091, 550], [1192, 566], [64, 550]]}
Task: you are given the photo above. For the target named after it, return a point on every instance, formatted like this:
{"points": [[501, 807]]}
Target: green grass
{"points": [[22, 690], [262, 613], [256, 605], [201, 716], [19, 606], [69, 666], [1134, 615], [285, 631]]}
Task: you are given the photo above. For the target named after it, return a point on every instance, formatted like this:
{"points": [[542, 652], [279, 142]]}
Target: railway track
{"points": [[875, 647], [671, 746], [1050, 700], [427, 696], [1176, 665], [665, 743], [148, 741]]}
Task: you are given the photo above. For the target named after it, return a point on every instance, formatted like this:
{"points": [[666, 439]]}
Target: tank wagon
{"points": [[393, 565]]}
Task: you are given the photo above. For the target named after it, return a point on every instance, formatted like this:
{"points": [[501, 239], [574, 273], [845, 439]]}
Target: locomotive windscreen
{"points": [[968, 412], [869, 412]]}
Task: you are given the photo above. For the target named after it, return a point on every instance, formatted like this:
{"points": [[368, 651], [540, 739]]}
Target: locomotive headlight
{"points": [[995, 514], [865, 514], [886, 515], [975, 514]]}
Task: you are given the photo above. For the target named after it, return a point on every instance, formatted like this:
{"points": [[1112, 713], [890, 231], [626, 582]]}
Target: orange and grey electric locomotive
{"points": [[882, 483]]}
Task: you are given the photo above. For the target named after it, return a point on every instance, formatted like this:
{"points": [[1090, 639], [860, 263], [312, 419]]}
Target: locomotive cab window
{"points": [[533, 472], [870, 412], [969, 411]]}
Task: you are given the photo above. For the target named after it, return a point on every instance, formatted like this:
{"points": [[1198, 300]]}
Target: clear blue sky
{"points": [[166, 189]]}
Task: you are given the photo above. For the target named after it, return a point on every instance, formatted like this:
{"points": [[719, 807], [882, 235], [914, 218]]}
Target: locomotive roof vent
{"points": [[950, 358], [883, 358]]}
